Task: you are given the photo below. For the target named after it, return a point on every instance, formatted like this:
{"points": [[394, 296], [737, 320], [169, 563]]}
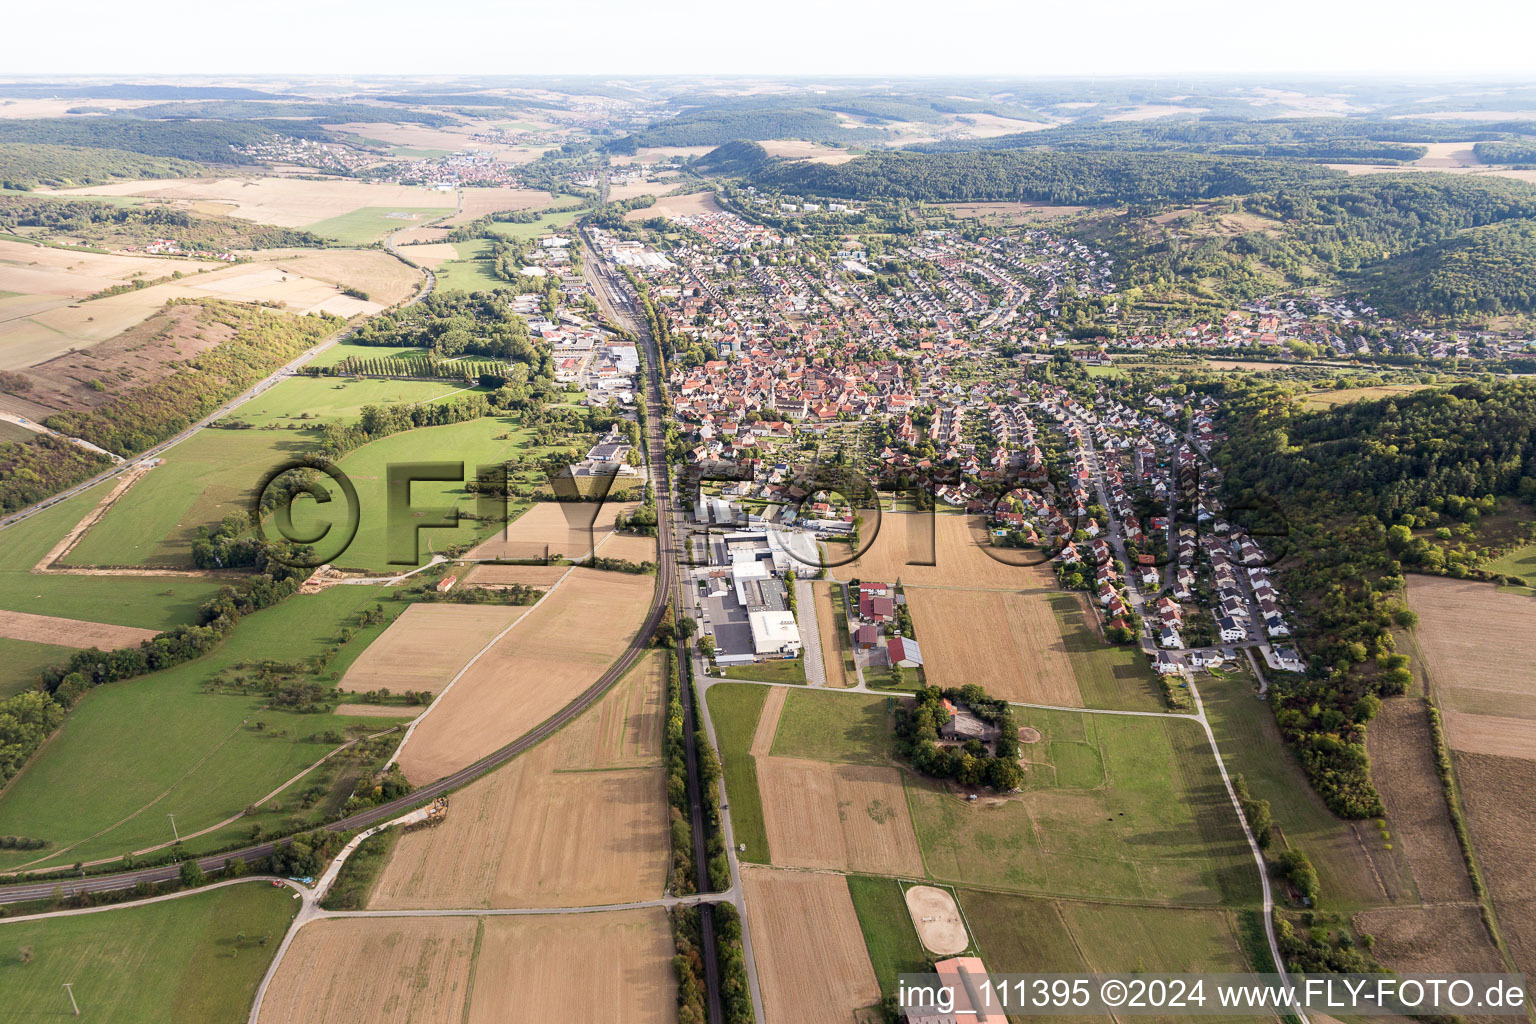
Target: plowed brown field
{"points": [[50, 629]]}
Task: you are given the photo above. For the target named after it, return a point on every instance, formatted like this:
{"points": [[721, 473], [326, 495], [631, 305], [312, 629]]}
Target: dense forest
{"points": [[738, 157], [202, 141], [1040, 176], [715, 127], [1507, 151], [1487, 270], [24, 167], [116, 226], [257, 110], [456, 324], [32, 470], [1340, 495]]}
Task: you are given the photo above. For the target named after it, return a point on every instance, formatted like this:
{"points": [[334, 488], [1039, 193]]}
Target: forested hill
{"points": [[24, 167], [204, 141], [1041, 176]]}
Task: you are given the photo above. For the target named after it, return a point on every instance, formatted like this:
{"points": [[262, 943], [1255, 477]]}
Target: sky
{"points": [[785, 37]]}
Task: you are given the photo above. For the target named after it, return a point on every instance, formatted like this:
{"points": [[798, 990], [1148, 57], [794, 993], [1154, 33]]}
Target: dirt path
{"points": [[67, 543], [768, 723]]}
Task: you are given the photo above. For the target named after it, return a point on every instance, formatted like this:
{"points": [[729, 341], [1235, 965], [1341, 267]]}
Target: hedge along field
{"points": [[1113, 807], [131, 752], [180, 960], [152, 603]]}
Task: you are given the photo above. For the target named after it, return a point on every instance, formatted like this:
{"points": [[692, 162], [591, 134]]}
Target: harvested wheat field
{"points": [[937, 920], [580, 820], [427, 646], [1431, 940], [1011, 644], [1460, 622], [953, 546], [832, 644], [844, 816], [61, 274], [431, 255], [480, 201], [554, 652], [285, 202], [691, 205], [1491, 734], [812, 963], [550, 528], [384, 278], [1499, 794], [1403, 768], [631, 547], [50, 629], [768, 721], [380, 971], [614, 967], [491, 576]]}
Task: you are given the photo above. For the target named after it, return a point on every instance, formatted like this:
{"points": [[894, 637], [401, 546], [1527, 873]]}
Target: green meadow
{"points": [[21, 661], [470, 272], [313, 401], [825, 725], [371, 223], [1113, 807], [131, 753], [195, 958], [1114, 677], [734, 709]]}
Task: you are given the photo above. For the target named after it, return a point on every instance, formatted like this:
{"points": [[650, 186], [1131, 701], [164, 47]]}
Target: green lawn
{"points": [[132, 752], [781, 670], [546, 223], [830, 726], [20, 663], [469, 273], [1252, 747], [124, 601], [1113, 808], [342, 350], [312, 401], [734, 709], [1519, 562], [371, 223], [181, 960], [1107, 677], [887, 926]]}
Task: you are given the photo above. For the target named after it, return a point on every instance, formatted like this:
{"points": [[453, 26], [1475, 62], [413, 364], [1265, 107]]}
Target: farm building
{"points": [[903, 652]]}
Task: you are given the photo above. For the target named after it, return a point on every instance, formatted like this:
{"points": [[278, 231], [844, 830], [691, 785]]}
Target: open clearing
{"points": [[1118, 808], [579, 820], [937, 920], [844, 816], [1500, 798], [181, 960], [373, 971], [47, 629], [427, 646], [593, 967], [1011, 644], [553, 528], [799, 149], [953, 546], [799, 919], [1403, 768], [1460, 622], [553, 653], [1329, 399], [691, 205]]}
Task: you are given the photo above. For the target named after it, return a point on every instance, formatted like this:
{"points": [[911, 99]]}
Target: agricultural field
{"points": [[1499, 794], [554, 652], [555, 529], [799, 918], [427, 646], [1343, 396], [1024, 656], [836, 648], [1353, 865], [1112, 807], [735, 711], [893, 945], [581, 819], [829, 726], [460, 266], [195, 958], [1488, 702], [374, 971], [956, 549], [284, 202], [690, 205], [173, 747], [841, 816], [369, 224], [311, 402], [491, 575], [76, 633], [22, 661]]}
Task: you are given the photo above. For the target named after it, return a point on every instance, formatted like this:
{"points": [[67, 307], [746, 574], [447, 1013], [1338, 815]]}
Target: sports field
{"points": [[553, 653], [169, 747], [1113, 807], [579, 820], [197, 958]]}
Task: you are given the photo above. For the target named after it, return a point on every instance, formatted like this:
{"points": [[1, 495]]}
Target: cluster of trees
{"points": [[25, 166], [419, 365], [200, 141], [32, 470], [917, 733], [480, 227], [1040, 176], [257, 343], [675, 753], [735, 994], [26, 720], [229, 545], [1507, 151], [692, 993], [266, 111], [1257, 812], [376, 421], [1488, 271], [1316, 953], [451, 324], [737, 157]]}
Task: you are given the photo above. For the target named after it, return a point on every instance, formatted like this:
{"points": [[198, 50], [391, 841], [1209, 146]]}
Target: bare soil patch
{"points": [[1011, 644], [956, 549], [812, 963], [554, 652], [50, 629], [844, 816], [1460, 624], [1491, 734], [1403, 768], [631, 547], [614, 966], [579, 820], [1500, 798], [427, 646], [570, 528], [379, 971], [768, 721], [937, 920]]}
